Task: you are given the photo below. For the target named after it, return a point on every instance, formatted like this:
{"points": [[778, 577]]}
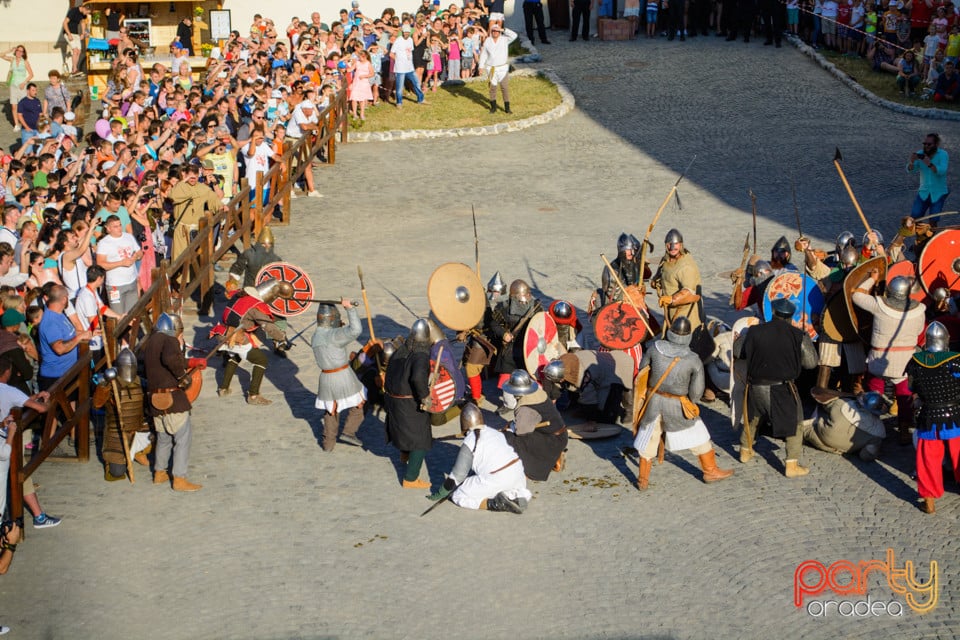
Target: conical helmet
{"points": [[673, 236], [470, 418], [937, 338], [554, 371], [170, 324], [496, 285], [266, 237], [328, 316], [269, 290], [126, 366]]}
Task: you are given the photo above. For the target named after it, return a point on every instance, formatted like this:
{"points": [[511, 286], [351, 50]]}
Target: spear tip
{"points": [[837, 156]]}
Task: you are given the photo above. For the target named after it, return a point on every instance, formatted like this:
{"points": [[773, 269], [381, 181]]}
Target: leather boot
{"points": [[643, 476], [182, 484], [416, 484], [903, 429], [746, 454], [927, 506], [493, 106], [500, 502], [823, 376], [506, 107], [711, 472], [161, 477], [794, 470]]}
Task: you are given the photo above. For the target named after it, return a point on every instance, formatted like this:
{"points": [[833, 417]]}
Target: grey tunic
{"points": [[599, 370], [685, 379], [329, 348]]}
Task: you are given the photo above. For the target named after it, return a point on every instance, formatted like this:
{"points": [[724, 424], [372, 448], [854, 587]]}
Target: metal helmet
{"points": [[126, 366], [781, 250], [269, 290], [562, 309], [872, 401], [520, 383], [680, 331], [110, 374], [937, 338], [673, 236], [470, 417], [170, 324], [265, 237], [427, 331], [520, 291], [389, 348], [762, 270], [554, 371], [844, 240], [496, 285], [783, 308], [627, 241], [328, 316], [940, 295], [879, 237], [849, 256], [897, 293]]}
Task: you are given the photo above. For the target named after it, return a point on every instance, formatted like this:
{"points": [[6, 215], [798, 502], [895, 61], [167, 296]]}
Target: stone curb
{"points": [[567, 103], [842, 76]]}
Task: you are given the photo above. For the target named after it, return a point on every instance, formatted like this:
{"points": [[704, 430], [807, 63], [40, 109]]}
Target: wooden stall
{"points": [[154, 25]]}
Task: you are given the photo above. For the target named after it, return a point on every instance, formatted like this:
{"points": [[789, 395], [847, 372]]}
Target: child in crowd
{"points": [[953, 44], [930, 45], [653, 7], [793, 15], [435, 64]]}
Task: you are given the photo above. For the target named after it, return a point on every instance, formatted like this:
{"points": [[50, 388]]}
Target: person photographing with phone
{"points": [[931, 161]]}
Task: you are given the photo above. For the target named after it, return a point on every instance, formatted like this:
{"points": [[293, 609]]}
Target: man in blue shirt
{"points": [[931, 162], [58, 339]]}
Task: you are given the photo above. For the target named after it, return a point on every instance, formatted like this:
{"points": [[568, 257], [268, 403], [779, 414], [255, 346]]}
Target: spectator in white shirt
{"points": [[118, 253]]}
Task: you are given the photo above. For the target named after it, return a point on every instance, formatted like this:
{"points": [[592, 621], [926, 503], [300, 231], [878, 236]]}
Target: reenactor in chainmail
{"points": [[339, 390], [627, 267], [481, 344], [934, 376], [244, 271], [677, 380], [509, 318], [130, 417]]}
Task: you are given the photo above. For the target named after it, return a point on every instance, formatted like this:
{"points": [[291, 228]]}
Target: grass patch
{"points": [[463, 106], [881, 84], [517, 49]]}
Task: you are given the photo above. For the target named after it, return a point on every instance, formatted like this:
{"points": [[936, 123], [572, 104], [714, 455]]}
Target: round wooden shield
{"points": [[794, 285], [908, 270], [862, 320], [540, 343], [444, 390], [837, 324], [196, 383], [939, 263], [456, 296], [298, 279], [617, 326], [593, 430]]}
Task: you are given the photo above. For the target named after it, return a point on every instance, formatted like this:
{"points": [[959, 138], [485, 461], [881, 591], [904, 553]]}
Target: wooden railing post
{"points": [[15, 477], [83, 417], [206, 265], [247, 235], [331, 128], [258, 209]]}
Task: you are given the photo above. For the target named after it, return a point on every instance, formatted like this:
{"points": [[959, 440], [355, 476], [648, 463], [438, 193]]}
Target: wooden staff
{"points": [[836, 162], [366, 306], [116, 399], [626, 295], [753, 207]]}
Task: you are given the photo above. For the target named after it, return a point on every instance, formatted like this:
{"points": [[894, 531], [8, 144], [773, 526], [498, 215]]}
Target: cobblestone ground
{"points": [[286, 541]]}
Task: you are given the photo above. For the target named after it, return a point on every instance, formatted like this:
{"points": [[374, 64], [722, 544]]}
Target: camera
{"points": [[920, 155]]}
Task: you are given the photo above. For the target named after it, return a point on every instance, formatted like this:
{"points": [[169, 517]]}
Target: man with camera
{"points": [[931, 161]]}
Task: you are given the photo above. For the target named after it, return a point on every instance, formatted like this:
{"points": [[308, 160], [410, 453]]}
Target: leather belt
{"points": [[335, 370], [885, 349], [669, 395], [767, 383], [171, 390], [509, 464], [393, 395]]}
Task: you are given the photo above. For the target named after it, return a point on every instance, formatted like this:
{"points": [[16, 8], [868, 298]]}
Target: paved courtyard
{"points": [[286, 541]]}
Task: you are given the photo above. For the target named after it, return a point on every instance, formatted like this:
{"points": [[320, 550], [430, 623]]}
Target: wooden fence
{"points": [[190, 273]]}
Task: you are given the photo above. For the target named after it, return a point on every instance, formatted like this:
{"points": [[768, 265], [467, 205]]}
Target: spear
{"points": [[837, 159], [476, 240], [673, 193], [626, 295], [753, 204], [366, 306]]}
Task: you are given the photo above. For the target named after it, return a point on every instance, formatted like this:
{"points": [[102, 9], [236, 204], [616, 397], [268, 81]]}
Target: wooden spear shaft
{"points": [[853, 198], [626, 295]]}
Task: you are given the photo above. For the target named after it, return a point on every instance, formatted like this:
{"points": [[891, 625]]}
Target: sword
{"points": [[439, 502], [397, 298], [663, 205], [476, 240], [837, 158], [753, 204], [796, 207]]}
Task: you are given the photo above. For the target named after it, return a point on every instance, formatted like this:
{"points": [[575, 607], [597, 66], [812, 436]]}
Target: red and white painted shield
{"points": [[540, 343], [939, 262], [298, 279], [444, 390], [908, 270]]}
